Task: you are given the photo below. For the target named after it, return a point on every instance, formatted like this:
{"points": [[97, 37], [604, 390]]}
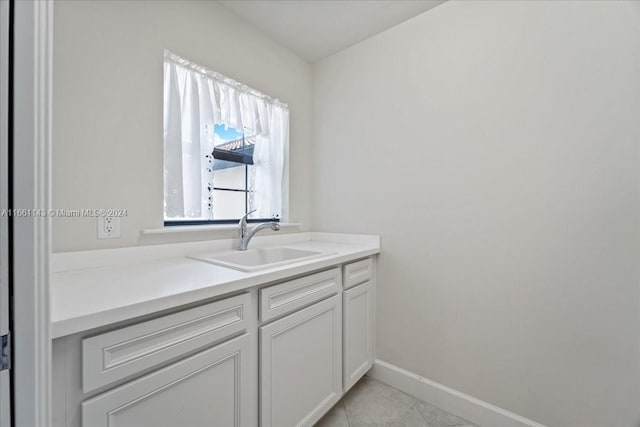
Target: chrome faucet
{"points": [[246, 235]]}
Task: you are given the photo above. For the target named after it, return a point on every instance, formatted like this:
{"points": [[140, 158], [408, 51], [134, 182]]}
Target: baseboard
{"points": [[471, 409]]}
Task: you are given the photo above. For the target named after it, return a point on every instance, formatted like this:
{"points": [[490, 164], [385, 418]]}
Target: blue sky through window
{"points": [[225, 134]]}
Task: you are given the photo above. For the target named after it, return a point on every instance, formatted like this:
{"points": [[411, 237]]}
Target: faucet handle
{"points": [[243, 223], [244, 218]]}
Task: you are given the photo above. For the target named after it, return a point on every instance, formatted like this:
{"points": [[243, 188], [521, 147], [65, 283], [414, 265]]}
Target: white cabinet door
{"points": [[301, 365], [358, 332], [209, 389]]}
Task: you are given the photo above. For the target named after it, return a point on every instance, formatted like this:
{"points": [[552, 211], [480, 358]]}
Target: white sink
{"points": [[259, 258]]}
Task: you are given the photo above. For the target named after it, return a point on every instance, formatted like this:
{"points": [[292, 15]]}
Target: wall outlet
{"points": [[108, 227]]}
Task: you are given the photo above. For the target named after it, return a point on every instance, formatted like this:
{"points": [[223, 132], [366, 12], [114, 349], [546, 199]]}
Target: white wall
{"points": [[495, 147], [107, 129]]}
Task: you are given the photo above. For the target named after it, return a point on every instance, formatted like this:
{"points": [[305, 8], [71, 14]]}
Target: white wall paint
{"points": [[495, 147], [108, 105]]}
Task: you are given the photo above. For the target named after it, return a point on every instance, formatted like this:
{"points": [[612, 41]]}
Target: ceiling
{"points": [[315, 29]]}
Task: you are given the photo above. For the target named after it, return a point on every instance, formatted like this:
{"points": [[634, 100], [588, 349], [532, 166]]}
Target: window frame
{"points": [[217, 221], [275, 199]]}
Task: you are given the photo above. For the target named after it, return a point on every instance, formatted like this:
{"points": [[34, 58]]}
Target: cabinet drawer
{"points": [[289, 296], [124, 352], [358, 272]]}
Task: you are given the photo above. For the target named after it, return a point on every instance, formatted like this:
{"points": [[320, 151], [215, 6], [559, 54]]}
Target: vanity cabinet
{"points": [[301, 365], [278, 354]]}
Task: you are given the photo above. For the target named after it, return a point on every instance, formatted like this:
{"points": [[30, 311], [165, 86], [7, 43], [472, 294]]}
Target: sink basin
{"points": [[259, 258]]}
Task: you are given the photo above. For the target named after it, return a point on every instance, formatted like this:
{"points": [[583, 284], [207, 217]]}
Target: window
{"points": [[232, 163], [225, 146]]}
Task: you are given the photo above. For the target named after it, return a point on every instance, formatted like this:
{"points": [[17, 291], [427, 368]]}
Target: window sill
{"points": [[208, 227]]}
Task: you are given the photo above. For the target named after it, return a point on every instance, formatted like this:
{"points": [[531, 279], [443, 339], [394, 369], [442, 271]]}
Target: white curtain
{"points": [[195, 99], [268, 158]]}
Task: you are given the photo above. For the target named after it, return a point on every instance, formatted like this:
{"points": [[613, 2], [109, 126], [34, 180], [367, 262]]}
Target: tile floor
{"points": [[371, 403]]}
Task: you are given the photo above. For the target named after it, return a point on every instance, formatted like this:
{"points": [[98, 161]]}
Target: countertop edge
{"points": [[73, 325]]}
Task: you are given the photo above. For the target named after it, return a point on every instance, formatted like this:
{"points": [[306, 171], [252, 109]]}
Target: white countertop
{"points": [[96, 288]]}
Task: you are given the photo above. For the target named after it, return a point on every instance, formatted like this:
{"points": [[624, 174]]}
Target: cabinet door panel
{"points": [[301, 365], [209, 389], [358, 332]]}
